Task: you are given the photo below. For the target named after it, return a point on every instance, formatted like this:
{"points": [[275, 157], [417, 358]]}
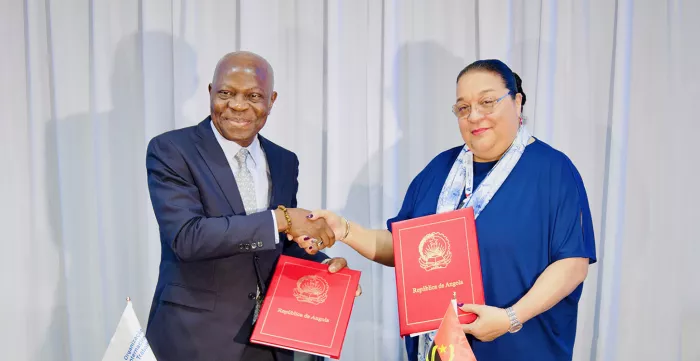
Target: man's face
{"points": [[241, 97]]}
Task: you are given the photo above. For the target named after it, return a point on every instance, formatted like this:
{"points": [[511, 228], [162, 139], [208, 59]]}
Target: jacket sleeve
{"points": [[183, 224]]}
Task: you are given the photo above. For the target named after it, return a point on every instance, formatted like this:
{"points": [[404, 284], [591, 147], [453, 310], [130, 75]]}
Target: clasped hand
{"points": [[328, 221], [304, 227]]}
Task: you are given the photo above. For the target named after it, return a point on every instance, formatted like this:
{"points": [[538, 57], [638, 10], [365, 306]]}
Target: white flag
{"points": [[129, 340]]}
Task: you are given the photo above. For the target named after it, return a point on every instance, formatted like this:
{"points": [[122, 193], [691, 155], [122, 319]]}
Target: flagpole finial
{"points": [[128, 299]]}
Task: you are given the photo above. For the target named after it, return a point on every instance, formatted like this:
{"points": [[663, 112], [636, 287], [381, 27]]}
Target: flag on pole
{"points": [[129, 340], [450, 342]]}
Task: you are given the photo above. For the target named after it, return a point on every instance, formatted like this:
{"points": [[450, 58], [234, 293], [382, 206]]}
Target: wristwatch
{"points": [[515, 325]]}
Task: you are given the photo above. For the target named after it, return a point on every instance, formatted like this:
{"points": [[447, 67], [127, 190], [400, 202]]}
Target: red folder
{"points": [[436, 258], [306, 308]]}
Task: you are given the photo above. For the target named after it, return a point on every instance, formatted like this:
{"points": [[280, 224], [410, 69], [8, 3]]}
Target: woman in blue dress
{"points": [[532, 218]]}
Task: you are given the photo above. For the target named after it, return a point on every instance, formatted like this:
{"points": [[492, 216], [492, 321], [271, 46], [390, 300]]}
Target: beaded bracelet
{"points": [[286, 216]]}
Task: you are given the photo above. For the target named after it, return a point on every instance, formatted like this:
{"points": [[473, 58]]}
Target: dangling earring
{"points": [[521, 120]]}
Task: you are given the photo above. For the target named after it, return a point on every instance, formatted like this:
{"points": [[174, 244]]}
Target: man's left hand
{"points": [[491, 322], [336, 264]]}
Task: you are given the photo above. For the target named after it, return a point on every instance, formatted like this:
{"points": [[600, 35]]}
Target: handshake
{"points": [[312, 231]]}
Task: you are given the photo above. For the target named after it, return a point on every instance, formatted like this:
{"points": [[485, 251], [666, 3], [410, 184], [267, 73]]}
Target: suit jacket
{"points": [[213, 255]]}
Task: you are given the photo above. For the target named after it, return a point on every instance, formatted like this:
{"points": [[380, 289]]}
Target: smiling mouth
{"points": [[238, 121], [479, 131]]}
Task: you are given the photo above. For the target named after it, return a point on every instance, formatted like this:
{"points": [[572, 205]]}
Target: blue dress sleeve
{"points": [[572, 231]]}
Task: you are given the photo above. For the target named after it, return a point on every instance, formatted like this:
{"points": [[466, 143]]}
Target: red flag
{"points": [[450, 343]]}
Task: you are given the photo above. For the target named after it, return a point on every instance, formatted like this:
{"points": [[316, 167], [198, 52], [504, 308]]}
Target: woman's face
{"points": [[487, 135]]}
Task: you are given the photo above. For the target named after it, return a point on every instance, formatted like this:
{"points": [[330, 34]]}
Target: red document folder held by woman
{"points": [[306, 308], [436, 258]]}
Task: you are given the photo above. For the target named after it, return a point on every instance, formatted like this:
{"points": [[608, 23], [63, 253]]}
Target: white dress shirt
{"points": [[257, 165]]}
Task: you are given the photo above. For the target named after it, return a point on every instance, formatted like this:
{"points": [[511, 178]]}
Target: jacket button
{"points": [[251, 296]]}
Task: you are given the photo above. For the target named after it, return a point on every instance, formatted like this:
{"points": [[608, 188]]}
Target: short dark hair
{"points": [[511, 80]]}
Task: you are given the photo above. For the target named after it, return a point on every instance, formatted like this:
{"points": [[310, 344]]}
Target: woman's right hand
{"points": [[334, 221]]}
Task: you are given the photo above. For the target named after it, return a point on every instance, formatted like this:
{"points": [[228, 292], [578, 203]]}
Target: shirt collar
{"points": [[231, 148]]}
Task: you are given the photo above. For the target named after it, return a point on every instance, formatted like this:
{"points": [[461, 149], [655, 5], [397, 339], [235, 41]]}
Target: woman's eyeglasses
{"points": [[485, 106]]}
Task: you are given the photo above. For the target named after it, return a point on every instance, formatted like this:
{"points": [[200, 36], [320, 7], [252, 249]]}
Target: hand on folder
{"points": [[491, 322], [336, 264]]}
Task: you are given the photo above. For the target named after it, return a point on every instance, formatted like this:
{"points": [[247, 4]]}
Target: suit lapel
{"points": [[276, 165], [214, 156]]}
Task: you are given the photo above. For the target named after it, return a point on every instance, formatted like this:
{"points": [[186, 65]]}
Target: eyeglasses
{"points": [[485, 106]]}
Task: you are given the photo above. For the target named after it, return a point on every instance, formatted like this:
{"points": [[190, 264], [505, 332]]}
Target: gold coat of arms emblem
{"points": [[434, 249], [311, 289]]}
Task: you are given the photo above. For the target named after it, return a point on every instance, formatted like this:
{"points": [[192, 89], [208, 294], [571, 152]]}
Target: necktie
{"points": [[244, 179], [246, 187]]}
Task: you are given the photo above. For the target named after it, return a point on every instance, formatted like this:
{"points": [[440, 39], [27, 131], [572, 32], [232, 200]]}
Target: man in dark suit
{"points": [[222, 194]]}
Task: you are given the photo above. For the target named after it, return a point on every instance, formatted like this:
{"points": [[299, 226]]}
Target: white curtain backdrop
{"points": [[365, 90]]}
